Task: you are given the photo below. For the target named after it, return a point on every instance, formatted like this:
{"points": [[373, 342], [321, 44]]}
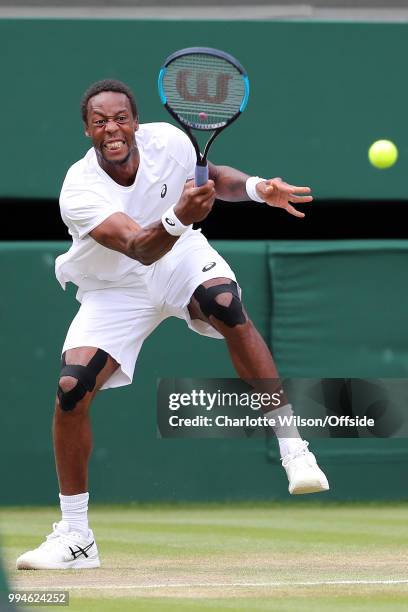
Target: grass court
{"points": [[281, 557]]}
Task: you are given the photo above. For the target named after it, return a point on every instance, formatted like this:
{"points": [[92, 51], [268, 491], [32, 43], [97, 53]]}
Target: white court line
{"points": [[216, 584]]}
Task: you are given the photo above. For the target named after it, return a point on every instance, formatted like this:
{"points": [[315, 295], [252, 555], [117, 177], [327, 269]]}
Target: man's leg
{"points": [[71, 427], [249, 353], [72, 545], [217, 302]]}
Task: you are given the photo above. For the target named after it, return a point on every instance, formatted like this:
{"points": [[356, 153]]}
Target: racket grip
{"points": [[201, 175]]}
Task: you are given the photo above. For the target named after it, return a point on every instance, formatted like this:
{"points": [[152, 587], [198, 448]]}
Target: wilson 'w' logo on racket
{"points": [[203, 89]]}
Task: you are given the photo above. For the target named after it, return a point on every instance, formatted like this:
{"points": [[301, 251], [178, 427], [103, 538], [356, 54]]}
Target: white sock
{"points": [[74, 510], [288, 436]]}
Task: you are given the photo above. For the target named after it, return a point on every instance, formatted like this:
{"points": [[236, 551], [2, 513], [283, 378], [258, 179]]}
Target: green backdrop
{"points": [[326, 309], [320, 94]]}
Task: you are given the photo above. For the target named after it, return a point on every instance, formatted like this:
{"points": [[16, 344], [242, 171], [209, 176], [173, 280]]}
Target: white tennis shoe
{"points": [[62, 549], [303, 473]]}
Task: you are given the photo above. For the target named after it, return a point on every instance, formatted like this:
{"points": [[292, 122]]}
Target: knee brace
{"points": [[230, 315], [85, 376]]}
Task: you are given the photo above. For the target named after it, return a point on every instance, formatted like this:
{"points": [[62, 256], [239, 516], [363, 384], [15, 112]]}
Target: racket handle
{"points": [[201, 175]]}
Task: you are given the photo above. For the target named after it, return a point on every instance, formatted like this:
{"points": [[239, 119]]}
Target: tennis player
{"points": [[129, 206]]}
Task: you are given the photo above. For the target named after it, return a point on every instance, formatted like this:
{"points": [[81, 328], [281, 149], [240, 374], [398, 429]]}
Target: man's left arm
{"points": [[231, 186]]}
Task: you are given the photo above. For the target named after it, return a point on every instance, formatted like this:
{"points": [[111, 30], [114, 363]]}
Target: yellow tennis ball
{"points": [[383, 154]]}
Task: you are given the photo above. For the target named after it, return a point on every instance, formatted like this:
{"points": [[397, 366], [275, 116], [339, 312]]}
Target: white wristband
{"points": [[172, 223], [250, 188]]}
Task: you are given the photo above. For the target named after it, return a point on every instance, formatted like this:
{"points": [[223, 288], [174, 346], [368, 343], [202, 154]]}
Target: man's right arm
{"points": [[148, 244]]}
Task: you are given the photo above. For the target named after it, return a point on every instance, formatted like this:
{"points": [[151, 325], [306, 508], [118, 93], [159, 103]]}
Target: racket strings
{"points": [[204, 91]]}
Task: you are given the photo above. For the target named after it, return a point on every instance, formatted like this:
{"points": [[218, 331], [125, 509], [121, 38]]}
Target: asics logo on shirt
{"points": [[81, 551], [208, 266], [163, 191], [170, 222]]}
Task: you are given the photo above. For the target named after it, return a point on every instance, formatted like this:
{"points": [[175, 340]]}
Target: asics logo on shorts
{"points": [[208, 266], [81, 551], [163, 191], [170, 222]]}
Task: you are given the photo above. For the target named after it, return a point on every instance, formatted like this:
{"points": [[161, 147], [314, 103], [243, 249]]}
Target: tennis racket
{"points": [[203, 89]]}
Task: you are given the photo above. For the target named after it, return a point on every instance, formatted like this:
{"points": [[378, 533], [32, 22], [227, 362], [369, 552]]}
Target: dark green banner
{"points": [[321, 93]]}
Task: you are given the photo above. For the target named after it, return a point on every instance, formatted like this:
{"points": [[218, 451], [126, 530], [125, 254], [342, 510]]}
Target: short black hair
{"points": [[107, 85]]}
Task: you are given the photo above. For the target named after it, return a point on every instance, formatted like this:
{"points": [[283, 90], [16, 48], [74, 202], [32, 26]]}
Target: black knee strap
{"points": [[230, 315], [86, 379]]}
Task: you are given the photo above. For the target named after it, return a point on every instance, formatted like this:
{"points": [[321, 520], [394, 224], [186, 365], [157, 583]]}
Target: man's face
{"points": [[111, 126]]}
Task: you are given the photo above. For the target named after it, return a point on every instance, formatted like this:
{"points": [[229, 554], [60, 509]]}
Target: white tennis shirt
{"points": [[89, 196]]}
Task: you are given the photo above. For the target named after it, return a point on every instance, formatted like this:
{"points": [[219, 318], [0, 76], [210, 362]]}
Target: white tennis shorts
{"points": [[119, 319]]}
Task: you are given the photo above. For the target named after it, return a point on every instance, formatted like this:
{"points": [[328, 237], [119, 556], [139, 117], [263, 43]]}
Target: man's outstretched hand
{"points": [[275, 192]]}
